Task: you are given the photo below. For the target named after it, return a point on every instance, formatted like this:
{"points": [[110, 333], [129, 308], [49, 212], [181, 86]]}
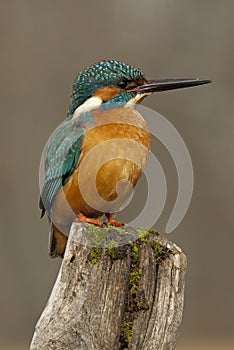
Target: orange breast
{"points": [[114, 153]]}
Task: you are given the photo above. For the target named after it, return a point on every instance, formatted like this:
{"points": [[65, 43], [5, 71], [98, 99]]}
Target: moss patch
{"points": [[125, 333], [160, 252], [136, 300], [108, 236], [94, 255], [135, 255], [114, 241], [144, 234], [133, 282]]}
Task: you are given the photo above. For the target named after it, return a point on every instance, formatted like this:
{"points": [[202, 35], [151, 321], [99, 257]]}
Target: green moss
{"points": [[137, 300], [94, 255], [134, 276], [126, 332], [134, 293], [133, 284], [160, 252], [107, 236], [96, 235], [141, 305], [143, 234], [110, 251], [135, 255], [152, 231]]}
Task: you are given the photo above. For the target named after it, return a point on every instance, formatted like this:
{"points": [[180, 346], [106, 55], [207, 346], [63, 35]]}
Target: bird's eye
{"points": [[122, 83]]}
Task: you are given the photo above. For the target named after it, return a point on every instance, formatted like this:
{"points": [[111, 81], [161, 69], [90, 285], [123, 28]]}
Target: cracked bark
{"points": [[129, 297]]}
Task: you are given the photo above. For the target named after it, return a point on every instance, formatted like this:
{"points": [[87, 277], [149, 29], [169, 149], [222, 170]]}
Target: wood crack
{"points": [[128, 297]]}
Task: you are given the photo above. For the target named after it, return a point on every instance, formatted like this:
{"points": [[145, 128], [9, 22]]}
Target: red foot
{"points": [[83, 218], [112, 221]]}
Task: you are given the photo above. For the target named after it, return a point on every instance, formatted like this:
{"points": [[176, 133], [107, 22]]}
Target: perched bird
{"points": [[102, 143]]}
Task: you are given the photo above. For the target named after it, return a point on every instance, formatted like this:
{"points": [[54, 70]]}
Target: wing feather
{"points": [[61, 157]]}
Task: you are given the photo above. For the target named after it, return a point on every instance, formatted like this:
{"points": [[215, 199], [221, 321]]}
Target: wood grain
{"points": [[128, 297]]}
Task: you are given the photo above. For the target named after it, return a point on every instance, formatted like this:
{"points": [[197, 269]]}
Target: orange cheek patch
{"points": [[107, 92]]}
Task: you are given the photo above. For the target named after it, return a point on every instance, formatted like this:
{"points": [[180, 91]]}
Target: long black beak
{"points": [[169, 84]]}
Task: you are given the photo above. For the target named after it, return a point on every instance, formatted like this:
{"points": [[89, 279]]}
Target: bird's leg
{"points": [[112, 222], [83, 218]]}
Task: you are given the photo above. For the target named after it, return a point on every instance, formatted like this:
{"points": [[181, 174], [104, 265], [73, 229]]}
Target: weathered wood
{"points": [[129, 297]]}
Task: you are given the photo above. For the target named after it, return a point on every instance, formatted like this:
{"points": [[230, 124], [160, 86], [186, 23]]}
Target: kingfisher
{"points": [[96, 155]]}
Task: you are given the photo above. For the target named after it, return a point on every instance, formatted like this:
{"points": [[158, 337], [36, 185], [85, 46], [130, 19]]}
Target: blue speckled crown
{"points": [[104, 73]]}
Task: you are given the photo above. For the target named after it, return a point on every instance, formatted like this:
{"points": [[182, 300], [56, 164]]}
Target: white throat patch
{"points": [[89, 105]]}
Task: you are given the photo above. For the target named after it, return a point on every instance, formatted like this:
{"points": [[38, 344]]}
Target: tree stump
{"points": [[114, 298]]}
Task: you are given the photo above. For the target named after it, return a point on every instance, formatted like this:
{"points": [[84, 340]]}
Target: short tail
{"points": [[57, 242]]}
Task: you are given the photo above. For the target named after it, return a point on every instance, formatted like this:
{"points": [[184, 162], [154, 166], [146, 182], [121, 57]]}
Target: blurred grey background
{"points": [[44, 44]]}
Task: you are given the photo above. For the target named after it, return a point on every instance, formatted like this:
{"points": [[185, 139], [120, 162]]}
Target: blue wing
{"points": [[61, 157]]}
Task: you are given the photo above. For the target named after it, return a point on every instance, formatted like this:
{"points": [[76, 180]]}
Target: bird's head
{"points": [[115, 82]]}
